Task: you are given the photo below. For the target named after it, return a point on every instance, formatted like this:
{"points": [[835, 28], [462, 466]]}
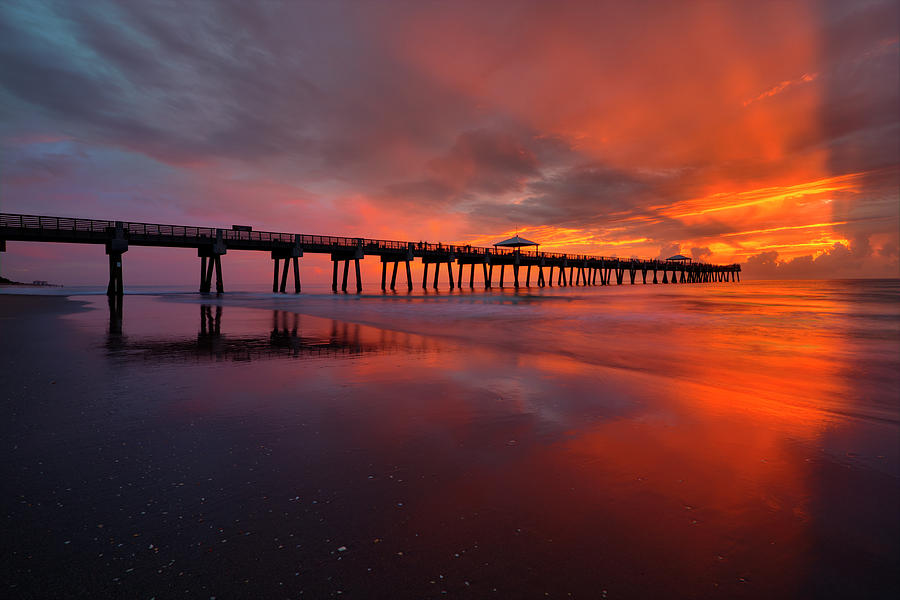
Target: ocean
{"points": [[729, 440]]}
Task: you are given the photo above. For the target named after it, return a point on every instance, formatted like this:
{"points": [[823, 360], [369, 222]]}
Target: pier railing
{"points": [[141, 230]]}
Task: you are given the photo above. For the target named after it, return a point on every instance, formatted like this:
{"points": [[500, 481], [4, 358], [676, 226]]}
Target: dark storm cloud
{"points": [[486, 162], [479, 169], [222, 80], [30, 169], [115, 83], [859, 113], [308, 81]]}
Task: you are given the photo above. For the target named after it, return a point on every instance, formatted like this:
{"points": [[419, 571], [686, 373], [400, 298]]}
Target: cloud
{"points": [[839, 261], [479, 163], [698, 254], [777, 89], [669, 250], [486, 162], [614, 127]]}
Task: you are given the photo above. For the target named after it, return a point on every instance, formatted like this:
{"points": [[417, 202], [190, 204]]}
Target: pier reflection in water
{"points": [[285, 338]]}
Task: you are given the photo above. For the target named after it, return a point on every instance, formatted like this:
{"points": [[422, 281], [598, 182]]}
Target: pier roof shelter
{"points": [[679, 258], [516, 242]]}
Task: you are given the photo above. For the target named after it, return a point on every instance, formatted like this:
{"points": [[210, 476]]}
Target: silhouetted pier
{"points": [[287, 248]]}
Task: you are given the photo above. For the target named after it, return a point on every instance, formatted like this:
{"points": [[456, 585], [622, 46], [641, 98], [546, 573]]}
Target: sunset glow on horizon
{"points": [[764, 134]]}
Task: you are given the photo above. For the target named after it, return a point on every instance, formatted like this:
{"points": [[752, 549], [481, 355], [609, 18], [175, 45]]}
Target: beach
{"points": [[728, 441]]}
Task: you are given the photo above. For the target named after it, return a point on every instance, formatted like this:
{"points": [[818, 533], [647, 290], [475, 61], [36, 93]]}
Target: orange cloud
{"points": [[733, 200], [777, 89]]}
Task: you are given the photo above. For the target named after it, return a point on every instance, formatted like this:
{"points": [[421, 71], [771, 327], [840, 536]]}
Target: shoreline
{"points": [[14, 306]]}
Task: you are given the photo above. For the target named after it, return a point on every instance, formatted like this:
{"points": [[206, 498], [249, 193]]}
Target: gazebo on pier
{"points": [[679, 258], [517, 243]]}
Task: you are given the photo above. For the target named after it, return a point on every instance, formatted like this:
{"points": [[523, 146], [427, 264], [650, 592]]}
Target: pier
{"points": [[286, 250]]}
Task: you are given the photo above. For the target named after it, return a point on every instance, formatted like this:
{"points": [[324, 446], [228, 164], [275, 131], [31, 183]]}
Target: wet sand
{"points": [[743, 446], [13, 307]]}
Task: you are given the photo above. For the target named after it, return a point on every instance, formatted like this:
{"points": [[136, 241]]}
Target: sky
{"points": [[765, 133]]}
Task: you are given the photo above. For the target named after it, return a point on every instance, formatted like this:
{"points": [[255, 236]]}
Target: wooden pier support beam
{"points": [[550, 279], [516, 276], [207, 283], [116, 285], [425, 277], [394, 275], [284, 275], [274, 276], [450, 273], [116, 246], [344, 278], [502, 269], [485, 275], [358, 277], [334, 276], [384, 276], [437, 273], [459, 276], [472, 276], [290, 256], [540, 281], [528, 277], [409, 282], [220, 285]]}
